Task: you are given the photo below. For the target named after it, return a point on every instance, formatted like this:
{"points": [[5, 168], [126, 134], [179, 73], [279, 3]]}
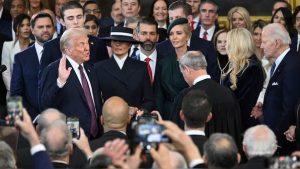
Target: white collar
{"points": [[196, 20], [60, 161], [194, 132], [280, 58], [73, 63], [209, 31], [119, 61], [153, 56], [39, 48], [200, 78]]}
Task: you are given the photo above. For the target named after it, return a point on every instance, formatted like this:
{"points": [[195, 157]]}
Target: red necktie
{"points": [[147, 60], [88, 96], [205, 35], [192, 26]]}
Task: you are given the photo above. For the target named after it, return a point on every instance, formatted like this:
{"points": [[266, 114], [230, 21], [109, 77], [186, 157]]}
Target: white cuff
{"points": [[37, 148], [60, 84], [196, 162]]}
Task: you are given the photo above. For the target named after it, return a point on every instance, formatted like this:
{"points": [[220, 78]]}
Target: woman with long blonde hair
{"points": [[239, 17], [245, 76]]}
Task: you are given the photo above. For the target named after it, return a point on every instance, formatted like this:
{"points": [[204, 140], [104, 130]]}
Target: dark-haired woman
{"points": [[21, 26]]}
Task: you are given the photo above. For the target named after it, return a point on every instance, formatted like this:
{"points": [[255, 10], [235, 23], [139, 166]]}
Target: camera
{"points": [[287, 162], [14, 109], [74, 127], [147, 132]]}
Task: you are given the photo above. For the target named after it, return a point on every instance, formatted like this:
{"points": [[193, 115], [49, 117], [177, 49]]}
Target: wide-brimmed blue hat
{"points": [[122, 34]]}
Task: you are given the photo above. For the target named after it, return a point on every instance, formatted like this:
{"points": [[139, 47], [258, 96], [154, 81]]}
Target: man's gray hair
{"points": [[68, 35], [221, 151], [194, 60], [260, 141], [7, 159], [57, 145], [44, 120], [277, 32]]}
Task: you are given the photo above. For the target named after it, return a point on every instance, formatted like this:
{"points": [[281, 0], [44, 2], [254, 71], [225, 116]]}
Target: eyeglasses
{"points": [[90, 11]]}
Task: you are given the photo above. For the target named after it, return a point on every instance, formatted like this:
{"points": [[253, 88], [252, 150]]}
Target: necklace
{"points": [[222, 71]]}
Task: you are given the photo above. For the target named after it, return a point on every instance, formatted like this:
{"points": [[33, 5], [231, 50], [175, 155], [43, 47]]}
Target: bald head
{"points": [[115, 114]]}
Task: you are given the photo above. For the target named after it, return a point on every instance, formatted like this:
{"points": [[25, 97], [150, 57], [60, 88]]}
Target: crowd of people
{"points": [[172, 89]]}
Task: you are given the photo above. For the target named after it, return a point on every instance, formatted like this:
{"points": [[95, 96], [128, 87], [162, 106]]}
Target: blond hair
{"points": [[240, 46], [242, 11]]}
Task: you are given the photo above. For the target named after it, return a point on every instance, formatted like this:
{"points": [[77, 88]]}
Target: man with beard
{"points": [[147, 33], [24, 80]]}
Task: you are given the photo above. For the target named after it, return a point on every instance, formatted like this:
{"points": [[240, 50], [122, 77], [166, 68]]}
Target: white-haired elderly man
{"points": [[259, 144]]}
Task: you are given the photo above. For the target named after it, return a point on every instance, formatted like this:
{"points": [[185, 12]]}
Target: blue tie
{"points": [[273, 68], [134, 54]]}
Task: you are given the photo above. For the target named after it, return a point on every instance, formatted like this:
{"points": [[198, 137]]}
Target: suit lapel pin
{"points": [[92, 43]]}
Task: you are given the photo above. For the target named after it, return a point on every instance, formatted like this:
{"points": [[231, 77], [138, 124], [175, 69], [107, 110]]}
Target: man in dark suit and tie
{"points": [[147, 34], [70, 84], [225, 108], [124, 76], [115, 118], [283, 89], [5, 22], [208, 17], [72, 17], [195, 112], [180, 9], [24, 81]]}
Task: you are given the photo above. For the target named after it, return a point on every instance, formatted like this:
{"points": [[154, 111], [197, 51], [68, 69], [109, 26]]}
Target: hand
{"points": [[83, 144], [181, 141], [161, 156], [116, 150], [290, 133], [133, 161], [257, 110], [26, 128], [63, 72], [132, 110], [159, 118]]}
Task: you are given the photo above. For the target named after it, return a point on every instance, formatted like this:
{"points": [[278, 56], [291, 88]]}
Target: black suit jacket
{"points": [[24, 81], [255, 163], [70, 99], [199, 140], [58, 165], [6, 24], [226, 116], [131, 83], [281, 97], [107, 136], [197, 44], [52, 51], [41, 159]]}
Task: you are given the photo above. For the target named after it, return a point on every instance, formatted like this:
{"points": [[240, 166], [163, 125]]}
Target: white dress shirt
{"points": [[39, 50], [152, 62], [119, 61], [210, 32], [280, 58]]}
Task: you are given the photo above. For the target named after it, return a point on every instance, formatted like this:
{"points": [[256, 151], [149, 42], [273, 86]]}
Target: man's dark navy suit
{"points": [[132, 83], [70, 99], [52, 52], [280, 99], [196, 43], [24, 80], [6, 24]]}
